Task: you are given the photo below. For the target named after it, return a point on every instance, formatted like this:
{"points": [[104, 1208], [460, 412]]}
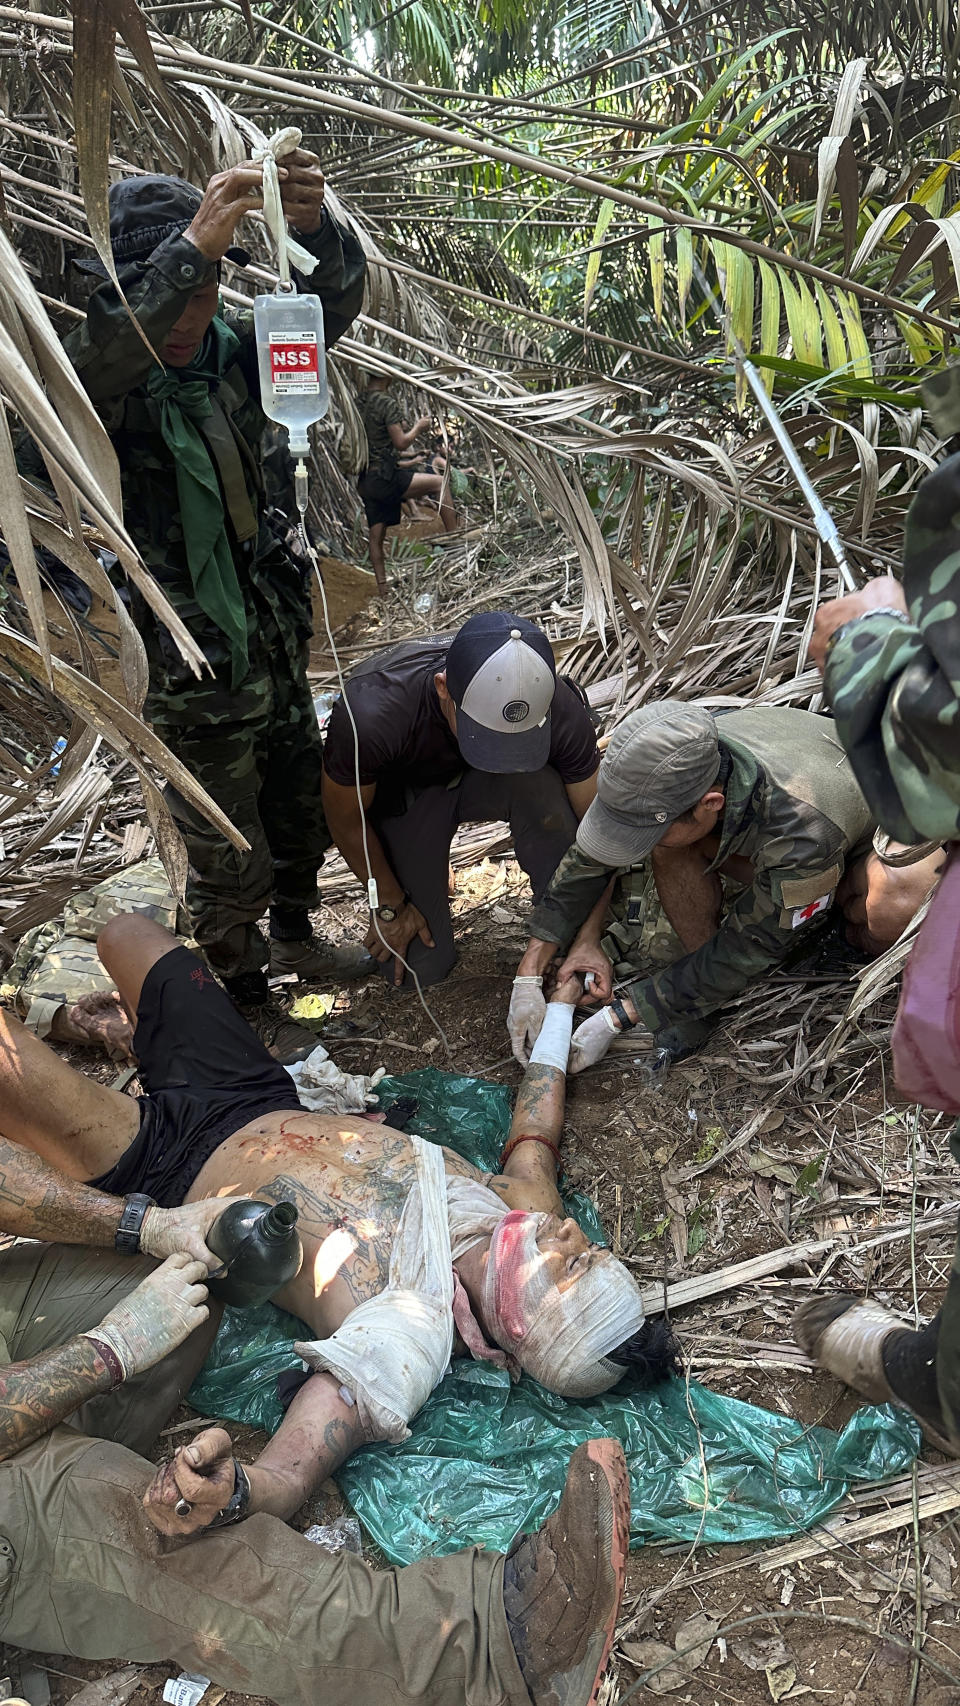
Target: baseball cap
{"points": [[502, 678], [660, 762], [144, 211]]}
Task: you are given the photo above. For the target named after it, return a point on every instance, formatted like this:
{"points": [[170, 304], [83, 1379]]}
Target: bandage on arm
{"points": [[393, 1349], [552, 1047]]}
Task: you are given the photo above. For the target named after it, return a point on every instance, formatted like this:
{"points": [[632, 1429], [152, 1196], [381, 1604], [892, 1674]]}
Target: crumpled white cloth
{"points": [[324, 1089], [394, 1349], [289, 251]]}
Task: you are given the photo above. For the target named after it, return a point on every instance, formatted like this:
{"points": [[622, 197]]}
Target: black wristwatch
{"points": [[127, 1236], [239, 1504], [620, 1012], [389, 913]]}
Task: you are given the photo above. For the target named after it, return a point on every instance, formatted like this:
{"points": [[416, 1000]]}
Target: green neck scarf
{"points": [[184, 397]]}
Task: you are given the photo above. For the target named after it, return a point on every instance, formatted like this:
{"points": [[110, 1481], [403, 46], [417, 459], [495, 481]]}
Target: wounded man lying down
{"points": [[512, 1280]]}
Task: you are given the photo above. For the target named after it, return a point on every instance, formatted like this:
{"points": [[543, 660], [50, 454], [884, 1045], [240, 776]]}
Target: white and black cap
{"points": [[502, 678]]}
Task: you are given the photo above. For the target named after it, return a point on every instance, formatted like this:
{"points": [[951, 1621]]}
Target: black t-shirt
{"points": [[405, 740]]}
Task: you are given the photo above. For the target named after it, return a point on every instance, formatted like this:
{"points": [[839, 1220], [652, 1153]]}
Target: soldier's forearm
{"points": [[570, 898], [36, 1395], [696, 985], [899, 722], [36, 1201], [108, 352], [591, 930]]}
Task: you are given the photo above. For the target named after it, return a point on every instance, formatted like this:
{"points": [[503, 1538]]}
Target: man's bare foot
{"points": [[96, 1021]]}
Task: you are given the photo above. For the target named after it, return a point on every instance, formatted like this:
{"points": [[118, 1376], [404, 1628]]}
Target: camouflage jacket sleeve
{"points": [[753, 938], [895, 688], [110, 356], [573, 892]]}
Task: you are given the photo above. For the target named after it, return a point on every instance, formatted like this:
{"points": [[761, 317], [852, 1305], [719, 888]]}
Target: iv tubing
{"points": [[301, 487]]}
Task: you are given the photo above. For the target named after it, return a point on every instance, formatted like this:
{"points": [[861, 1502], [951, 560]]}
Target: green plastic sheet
{"points": [[486, 1460]]}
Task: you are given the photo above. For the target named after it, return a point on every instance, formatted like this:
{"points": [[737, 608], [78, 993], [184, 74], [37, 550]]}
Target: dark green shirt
{"points": [[379, 411], [793, 808]]}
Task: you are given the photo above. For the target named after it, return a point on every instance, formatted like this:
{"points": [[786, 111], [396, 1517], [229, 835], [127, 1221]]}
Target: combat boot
{"points": [[562, 1586], [281, 1036], [315, 959]]}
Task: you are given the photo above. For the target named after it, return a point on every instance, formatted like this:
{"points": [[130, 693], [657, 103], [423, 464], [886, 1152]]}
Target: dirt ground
{"points": [[831, 1158]]}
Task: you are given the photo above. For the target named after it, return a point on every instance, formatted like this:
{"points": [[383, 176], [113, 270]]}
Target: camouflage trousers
{"points": [[265, 774]]}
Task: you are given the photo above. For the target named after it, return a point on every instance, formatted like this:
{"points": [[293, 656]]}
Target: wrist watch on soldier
{"points": [[127, 1236], [387, 914], [239, 1504]]}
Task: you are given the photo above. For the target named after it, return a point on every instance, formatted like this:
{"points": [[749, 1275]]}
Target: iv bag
{"points": [[293, 366]]}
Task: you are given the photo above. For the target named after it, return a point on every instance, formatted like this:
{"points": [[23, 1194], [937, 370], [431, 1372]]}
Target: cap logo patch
{"points": [[516, 711]]}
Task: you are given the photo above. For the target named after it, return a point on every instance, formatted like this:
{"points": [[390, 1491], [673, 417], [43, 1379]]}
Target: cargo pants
{"points": [[255, 1607]]}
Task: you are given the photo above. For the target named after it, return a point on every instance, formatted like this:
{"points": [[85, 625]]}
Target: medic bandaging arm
{"points": [[757, 931], [894, 687]]}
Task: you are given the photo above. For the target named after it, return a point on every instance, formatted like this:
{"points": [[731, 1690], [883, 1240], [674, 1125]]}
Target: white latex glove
{"points": [[525, 1015], [172, 1231], [155, 1318], [591, 1040], [324, 1089]]}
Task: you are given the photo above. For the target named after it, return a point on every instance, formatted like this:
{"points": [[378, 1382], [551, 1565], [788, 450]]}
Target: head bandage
{"points": [[561, 1338]]}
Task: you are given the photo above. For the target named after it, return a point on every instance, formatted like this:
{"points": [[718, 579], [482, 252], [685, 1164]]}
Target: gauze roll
{"points": [[393, 1349], [561, 1338], [552, 1047]]}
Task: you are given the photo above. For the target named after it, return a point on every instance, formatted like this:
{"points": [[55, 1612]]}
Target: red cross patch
{"points": [[803, 914]]}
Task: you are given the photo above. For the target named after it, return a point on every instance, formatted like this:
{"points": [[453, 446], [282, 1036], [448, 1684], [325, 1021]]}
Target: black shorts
{"points": [[383, 497], [206, 1074]]}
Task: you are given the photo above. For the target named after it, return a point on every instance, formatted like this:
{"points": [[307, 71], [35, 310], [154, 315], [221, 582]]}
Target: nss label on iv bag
{"points": [[292, 362], [294, 365]]}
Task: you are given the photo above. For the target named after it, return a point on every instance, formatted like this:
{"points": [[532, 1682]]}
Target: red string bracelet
{"points": [[530, 1137]]}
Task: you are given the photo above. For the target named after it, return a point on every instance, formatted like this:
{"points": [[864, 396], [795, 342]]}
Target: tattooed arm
{"points": [[38, 1201], [317, 1434], [37, 1394], [539, 1111]]}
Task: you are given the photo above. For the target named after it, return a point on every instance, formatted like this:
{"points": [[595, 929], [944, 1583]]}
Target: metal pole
{"points": [[822, 519]]}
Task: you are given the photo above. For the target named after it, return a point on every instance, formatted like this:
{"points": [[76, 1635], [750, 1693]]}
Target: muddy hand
{"points": [[194, 1487], [100, 1020]]}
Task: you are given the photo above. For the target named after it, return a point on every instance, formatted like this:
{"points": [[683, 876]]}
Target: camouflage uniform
{"points": [[254, 747], [894, 688], [57, 963], [793, 808]]}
